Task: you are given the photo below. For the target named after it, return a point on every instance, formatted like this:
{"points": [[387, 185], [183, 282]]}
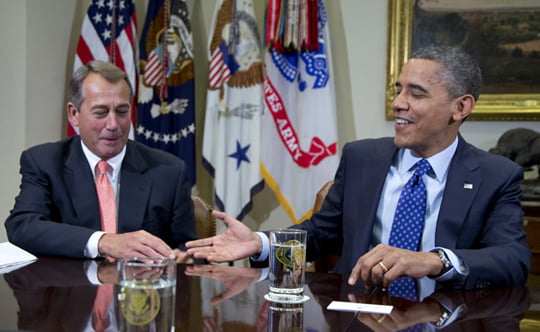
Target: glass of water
{"points": [[287, 265], [146, 294]]}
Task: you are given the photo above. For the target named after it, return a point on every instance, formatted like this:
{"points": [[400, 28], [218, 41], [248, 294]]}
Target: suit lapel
{"points": [[369, 190], [80, 184], [464, 180], [134, 190]]}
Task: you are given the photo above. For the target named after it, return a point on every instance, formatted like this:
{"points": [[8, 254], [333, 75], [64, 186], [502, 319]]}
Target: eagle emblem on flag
{"points": [[166, 112]]}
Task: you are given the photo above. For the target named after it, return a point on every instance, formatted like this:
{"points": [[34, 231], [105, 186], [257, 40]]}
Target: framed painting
{"points": [[503, 36]]}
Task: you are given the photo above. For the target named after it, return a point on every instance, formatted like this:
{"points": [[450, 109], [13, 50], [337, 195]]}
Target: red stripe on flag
{"points": [[118, 60], [83, 52]]}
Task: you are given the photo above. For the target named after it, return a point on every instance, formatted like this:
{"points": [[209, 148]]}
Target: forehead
{"points": [[95, 82], [421, 72]]}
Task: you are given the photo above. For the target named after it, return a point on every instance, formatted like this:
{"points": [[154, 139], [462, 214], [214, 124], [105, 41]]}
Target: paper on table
{"points": [[13, 257], [363, 307]]}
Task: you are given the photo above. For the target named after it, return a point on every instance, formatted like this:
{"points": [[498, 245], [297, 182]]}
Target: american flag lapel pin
{"points": [[467, 186]]}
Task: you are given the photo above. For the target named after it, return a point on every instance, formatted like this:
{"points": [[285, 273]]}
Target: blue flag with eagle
{"points": [[234, 106], [166, 115]]}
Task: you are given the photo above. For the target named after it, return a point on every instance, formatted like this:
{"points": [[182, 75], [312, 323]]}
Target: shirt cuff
{"points": [[459, 267], [91, 250], [91, 271], [265, 248]]}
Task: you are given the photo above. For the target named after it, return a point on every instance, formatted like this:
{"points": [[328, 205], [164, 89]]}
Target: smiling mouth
{"points": [[402, 121]]}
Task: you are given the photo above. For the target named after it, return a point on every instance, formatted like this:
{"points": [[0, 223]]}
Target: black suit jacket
{"points": [[480, 217], [57, 208]]}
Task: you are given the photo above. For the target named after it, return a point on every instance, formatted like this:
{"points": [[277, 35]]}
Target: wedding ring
{"points": [[383, 267], [381, 319]]}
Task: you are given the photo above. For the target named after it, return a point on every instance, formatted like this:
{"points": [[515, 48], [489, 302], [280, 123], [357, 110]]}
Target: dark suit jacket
{"points": [[57, 208], [482, 225]]}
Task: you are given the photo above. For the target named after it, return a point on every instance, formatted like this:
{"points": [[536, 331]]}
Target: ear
{"points": [[73, 114], [464, 106]]}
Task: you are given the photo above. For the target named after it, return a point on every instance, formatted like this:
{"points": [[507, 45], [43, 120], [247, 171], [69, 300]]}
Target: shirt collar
{"points": [[114, 162], [439, 162]]}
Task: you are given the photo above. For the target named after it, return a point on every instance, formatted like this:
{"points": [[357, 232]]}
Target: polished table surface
{"points": [[54, 294]]}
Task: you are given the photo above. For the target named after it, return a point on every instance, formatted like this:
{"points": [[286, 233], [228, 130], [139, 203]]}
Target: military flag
{"points": [[299, 123], [166, 112], [109, 33], [234, 106]]}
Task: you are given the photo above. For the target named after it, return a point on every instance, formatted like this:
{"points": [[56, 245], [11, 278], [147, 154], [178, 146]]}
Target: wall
{"points": [[37, 42]]}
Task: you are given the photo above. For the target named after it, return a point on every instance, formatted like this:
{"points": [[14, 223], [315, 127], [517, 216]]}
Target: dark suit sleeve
{"points": [[499, 254], [183, 221], [42, 220]]}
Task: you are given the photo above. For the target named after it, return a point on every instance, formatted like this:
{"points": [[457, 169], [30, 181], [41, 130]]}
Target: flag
{"points": [[234, 105], [108, 33], [166, 112], [299, 123]]}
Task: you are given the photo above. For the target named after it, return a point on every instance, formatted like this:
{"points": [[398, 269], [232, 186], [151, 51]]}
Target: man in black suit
{"points": [[472, 234], [57, 210]]}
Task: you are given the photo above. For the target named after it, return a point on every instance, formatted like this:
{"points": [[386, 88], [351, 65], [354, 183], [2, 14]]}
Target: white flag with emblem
{"points": [[299, 124], [234, 106]]}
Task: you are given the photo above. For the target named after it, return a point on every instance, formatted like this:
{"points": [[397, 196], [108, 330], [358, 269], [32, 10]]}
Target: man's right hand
{"points": [[237, 242], [134, 244]]}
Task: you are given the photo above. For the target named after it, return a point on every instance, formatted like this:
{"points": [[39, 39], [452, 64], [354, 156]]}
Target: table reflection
{"points": [[55, 294]]}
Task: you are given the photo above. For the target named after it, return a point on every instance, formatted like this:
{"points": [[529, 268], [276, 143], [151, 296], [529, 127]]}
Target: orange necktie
{"points": [[107, 208], [107, 202]]}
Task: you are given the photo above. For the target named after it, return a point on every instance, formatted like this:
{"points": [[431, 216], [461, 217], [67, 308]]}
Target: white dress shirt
{"points": [[113, 173]]}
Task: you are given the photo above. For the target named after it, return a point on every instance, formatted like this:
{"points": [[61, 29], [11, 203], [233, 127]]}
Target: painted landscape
{"points": [[504, 40]]}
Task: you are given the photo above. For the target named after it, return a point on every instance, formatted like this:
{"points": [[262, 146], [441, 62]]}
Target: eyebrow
{"points": [[412, 86], [105, 106]]}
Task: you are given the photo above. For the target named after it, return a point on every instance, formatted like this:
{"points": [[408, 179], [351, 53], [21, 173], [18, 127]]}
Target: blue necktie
{"points": [[408, 225]]}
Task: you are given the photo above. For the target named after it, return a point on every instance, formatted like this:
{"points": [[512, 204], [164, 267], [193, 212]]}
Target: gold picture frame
{"points": [[492, 107]]}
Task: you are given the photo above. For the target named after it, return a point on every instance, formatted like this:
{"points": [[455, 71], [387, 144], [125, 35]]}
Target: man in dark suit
{"points": [[472, 234], [57, 210]]}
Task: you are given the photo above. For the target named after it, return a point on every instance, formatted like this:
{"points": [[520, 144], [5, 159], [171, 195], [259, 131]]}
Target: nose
{"points": [[112, 121], [400, 103]]}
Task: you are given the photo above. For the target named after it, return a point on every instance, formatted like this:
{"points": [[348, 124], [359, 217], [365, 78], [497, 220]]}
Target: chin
{"points": [[399, 142]]}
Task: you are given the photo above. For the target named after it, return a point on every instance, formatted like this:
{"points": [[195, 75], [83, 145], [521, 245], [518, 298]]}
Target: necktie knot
{"points": [[102, 167], [422, 167]]}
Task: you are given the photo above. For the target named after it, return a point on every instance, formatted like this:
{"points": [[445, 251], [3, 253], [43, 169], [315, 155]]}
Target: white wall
{"points": [[37, 41], [13, 27]]}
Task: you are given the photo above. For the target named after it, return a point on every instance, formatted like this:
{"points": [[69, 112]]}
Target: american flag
{"points": [[109, 33], [222, 66], [154, 73]]}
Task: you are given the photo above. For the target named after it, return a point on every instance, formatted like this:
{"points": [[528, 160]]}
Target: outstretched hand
{"points": [[237, 242]]}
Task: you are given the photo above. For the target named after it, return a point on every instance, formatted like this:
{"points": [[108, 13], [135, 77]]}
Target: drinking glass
{"points": [[146, 294], [287, 265]]}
